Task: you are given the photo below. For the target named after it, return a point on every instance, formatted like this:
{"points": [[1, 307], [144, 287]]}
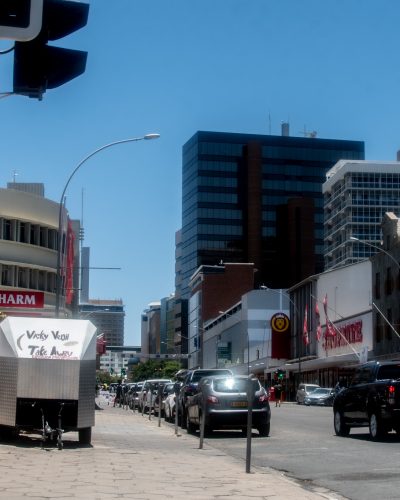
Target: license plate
{"points": [[239, 404]]}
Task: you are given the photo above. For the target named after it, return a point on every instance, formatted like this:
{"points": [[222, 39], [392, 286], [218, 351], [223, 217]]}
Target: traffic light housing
{"points": [[38, 66], [20, 19], [279, 374]]}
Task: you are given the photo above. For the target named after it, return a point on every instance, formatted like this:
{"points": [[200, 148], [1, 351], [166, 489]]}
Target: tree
{"points": [[155, 368], [106, 377]]}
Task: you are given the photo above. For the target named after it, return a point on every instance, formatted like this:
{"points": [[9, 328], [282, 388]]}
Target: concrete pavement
{"points": [[131, 457]]}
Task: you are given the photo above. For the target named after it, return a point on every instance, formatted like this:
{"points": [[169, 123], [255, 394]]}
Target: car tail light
{"points": [[263, 398], [392, 391], [212, 400]]}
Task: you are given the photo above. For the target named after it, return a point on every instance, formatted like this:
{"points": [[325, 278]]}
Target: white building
{"points": [[243, 338], [357, 194], [28, 251], [117, 359]]}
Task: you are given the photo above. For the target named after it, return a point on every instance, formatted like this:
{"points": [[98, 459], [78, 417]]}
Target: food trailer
{"points": [[48, 376]]}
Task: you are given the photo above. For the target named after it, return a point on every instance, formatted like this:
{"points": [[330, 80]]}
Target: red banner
{"points": [[32, 300], [280, 336]]}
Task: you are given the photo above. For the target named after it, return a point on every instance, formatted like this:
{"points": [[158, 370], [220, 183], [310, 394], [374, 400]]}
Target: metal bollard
{"points": [[151, 402], [250, 393], [202, 422], [159, 404], [176, 390]]}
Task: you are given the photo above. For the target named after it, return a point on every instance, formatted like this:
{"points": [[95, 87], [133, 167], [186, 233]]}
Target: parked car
{"points": [[223, 403], [133, 394], [371, 400], [189, 387], [149, 392], [303, 391], [322, 396], [165, 391]]}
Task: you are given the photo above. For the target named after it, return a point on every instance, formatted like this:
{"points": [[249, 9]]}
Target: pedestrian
{"points": [[278, 394], [118, 394]]}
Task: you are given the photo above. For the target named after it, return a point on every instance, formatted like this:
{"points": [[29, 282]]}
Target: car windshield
{"points": [[208, 373], [310, 388], [233, 385], [156, 385], [321, 391]]}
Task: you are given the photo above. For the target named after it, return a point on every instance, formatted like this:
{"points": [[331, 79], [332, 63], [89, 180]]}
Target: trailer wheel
{"points": [[85, 435]]}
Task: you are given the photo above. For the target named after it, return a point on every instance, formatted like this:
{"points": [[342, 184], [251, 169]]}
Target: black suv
{"points": [[189, 387]]}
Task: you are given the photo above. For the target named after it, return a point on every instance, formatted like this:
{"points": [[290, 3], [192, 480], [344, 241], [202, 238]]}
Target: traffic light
{"points": [[20, 19], [38, 66], [279, 374]]}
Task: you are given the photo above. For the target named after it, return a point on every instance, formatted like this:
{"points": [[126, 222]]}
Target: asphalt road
{"points": [[303, 444]]}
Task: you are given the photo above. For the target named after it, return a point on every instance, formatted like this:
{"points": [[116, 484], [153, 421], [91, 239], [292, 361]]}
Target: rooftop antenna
{"points": [[269, 123], [310, 134]]}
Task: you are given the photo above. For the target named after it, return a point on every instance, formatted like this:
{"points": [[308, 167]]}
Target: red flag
{"points": [[325, 303], [330, 330], [319, 329], [306, 338], [69, 292]]}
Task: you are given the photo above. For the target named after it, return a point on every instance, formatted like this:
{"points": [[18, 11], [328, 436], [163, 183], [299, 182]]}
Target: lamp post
{"points": [[353, 238], [364, 242], [60, 238]]}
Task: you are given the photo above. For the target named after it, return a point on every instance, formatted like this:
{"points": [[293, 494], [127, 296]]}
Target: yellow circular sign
{"points": [[280, 322]]}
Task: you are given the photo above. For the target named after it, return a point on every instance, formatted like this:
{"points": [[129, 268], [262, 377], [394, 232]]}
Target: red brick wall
{"points": [[223, 290]]}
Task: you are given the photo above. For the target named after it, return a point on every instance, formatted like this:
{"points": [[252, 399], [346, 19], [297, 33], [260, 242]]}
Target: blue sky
{"points": [[178, 66]]}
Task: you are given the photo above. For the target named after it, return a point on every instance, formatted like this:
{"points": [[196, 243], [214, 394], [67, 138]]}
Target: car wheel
{"points": [[376, 429], [264, 429], [341, 429]]}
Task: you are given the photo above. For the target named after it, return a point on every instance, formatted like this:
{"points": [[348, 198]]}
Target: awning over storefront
{"points": [[350, 359]]}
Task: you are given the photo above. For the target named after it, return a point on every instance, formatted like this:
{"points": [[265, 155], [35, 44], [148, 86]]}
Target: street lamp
{"points": [[353, 238], [60, 239]]}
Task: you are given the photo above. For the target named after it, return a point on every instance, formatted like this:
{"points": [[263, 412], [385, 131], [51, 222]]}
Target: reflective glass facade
{"points": [[257, 198]]}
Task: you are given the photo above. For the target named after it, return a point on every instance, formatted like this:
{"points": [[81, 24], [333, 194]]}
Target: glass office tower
{"points": [[256, 198]]}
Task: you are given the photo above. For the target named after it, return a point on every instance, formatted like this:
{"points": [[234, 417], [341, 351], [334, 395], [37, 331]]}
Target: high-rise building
{"points": [[256, 198], [108, 316], [150, 330], [357, 194]]}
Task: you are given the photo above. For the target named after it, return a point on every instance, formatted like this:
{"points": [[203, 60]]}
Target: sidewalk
{"points": [[133, 458], [164, 465]]}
